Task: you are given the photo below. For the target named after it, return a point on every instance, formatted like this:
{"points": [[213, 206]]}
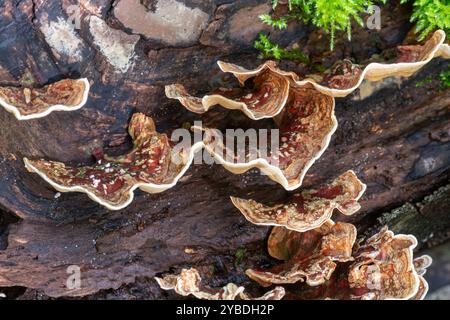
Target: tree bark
{"points": [[397, 140]]}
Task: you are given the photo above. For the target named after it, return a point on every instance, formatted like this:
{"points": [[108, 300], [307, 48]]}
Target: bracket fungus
{"points": [[188, 282], [384, 267], [345, 77], [310, 208], [265, 100], [271, 85], [303, 108], [420, 265], [315, 260], [32, 103], [378, 268], [152, 165], [305, 129]]}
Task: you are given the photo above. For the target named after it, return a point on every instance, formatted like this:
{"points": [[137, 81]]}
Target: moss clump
{"points": [[270, 50], [429, 15], [329, 15], [443, 78], [337, 15], [239, 257], [426, 219]]}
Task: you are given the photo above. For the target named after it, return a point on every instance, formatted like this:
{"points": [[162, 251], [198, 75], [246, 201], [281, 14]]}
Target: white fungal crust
{"points": [[188, 282], [35, 105], [152, 166], [309, 209]]}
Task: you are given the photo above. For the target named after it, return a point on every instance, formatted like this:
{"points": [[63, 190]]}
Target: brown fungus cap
{"points": [[188, 282], [384, 268], [32, 103], [266, 99], [345, 77], [272, 85], [152, 165], [305, 129], [316, 256], [310, 208]]}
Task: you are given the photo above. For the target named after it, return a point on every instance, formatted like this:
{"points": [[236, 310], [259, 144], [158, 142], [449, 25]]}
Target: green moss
{"points": [[429, 15], [280, 23], [424, 81], [443, 78], [270, 50], [239, 256], [240, 253], [329, 15], [425, 219], [337, 15]]}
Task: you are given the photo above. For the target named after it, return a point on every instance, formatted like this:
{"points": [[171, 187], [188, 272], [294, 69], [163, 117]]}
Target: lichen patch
{"points": [[171, 22], [62, 38], [115, 45]]}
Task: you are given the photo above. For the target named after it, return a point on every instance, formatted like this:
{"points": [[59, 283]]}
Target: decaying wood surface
{"points": [[397, 140]]}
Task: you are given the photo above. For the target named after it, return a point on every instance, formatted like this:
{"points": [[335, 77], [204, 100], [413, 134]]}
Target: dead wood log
{"points": [[396, 140]]}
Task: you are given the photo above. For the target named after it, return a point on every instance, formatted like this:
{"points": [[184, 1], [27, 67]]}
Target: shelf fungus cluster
{"points": [[303, 108], [306, 130], [314, 262], [309, 209], [334, 265], [32, 103], [268, 97], [152, 165], [322, 259], [331, 266], [188, 282], [342, 79]]}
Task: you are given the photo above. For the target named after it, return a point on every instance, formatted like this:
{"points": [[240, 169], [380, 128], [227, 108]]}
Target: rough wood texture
{"points": [[397, 141]]}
